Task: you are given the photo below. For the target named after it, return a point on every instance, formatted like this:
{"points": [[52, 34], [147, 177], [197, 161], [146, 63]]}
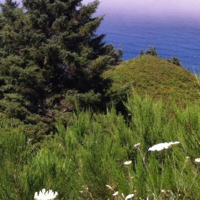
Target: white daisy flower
{"points": [[129, 196], [45, 195], [116, 193], [161, 146], [197, 160], [127, 162]]}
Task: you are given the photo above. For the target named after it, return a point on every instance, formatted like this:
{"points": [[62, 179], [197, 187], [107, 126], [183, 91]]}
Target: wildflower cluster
{"points": [[45, 195]]}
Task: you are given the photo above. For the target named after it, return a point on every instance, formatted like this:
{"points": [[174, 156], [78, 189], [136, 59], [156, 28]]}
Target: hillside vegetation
{"points": [[154, 76], [61, 127]]}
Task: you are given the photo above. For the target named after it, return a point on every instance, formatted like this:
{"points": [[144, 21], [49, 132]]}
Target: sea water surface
{"points": [[172, 37]]}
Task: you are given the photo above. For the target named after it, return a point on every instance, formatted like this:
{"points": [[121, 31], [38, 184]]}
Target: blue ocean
{"points": [[179, 38]]}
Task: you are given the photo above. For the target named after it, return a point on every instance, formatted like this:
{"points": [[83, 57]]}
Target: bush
{"points": [[175, 61], [151, 51], [82, 158]]}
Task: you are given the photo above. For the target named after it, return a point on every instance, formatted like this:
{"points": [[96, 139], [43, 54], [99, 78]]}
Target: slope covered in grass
{"points": [[151, 75]]}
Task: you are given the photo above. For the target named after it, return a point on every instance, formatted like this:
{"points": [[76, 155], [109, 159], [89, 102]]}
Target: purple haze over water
{"points": [[173, 28]]}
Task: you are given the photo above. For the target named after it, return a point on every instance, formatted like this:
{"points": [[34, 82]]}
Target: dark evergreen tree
{"points": [[50, 56], [151, 51], [142, 52], [175, 60]]}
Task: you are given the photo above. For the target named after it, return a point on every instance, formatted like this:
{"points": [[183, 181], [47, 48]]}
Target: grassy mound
{"points": [[153, 76]]}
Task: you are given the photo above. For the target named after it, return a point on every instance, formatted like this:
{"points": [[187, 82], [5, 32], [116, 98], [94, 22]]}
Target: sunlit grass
{"points": [[156, 77], [105, 156]]}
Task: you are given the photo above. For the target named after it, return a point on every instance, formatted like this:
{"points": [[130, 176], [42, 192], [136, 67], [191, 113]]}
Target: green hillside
{"points": [[156, 77]]}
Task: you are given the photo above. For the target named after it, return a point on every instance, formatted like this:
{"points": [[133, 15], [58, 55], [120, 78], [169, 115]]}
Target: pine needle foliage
{"points": [[50, 53]]}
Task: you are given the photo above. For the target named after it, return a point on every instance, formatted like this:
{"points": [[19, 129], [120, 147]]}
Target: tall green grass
{"points": [[81, 159]]}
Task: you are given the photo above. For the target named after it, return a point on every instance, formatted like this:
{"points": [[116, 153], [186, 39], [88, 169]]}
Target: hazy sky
{"points": [[156, 8], [179, 8]]}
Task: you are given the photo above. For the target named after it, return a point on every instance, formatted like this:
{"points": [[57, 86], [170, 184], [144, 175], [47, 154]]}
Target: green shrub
{"points": [[81, 159]]}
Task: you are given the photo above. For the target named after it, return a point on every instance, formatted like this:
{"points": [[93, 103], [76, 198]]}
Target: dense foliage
{"points": [[150, 51], [57, 75], [50, 58], [90, 153]]}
